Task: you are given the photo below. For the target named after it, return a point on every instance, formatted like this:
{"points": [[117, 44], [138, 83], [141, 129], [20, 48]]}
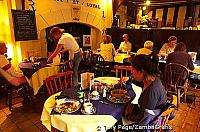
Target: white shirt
{"points": [[125, 46], [11, 71], [69, 43]]}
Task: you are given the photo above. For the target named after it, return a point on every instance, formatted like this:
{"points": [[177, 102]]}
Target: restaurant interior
{"points": [[108, 88]]}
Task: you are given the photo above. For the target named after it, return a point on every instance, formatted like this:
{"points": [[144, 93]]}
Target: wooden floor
{"points": [[187, 119], [26, 118]]}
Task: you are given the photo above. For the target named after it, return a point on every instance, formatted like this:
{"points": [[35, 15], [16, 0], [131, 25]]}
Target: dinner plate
{"points": [[124, 99], [85, 113], [67, 106]]}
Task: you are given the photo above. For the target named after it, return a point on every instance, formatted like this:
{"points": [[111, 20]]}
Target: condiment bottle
{"points": [[80, 94], [104, 92]]}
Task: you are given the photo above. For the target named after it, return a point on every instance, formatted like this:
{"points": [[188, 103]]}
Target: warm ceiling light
{"points": [[144, 8], [148, 2]]}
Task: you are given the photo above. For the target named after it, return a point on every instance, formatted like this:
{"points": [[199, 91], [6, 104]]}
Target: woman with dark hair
{"points": [[180, 56], [153, 96]]}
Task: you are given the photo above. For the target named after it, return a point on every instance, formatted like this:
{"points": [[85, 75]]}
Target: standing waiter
{"points": [[68, 42]]}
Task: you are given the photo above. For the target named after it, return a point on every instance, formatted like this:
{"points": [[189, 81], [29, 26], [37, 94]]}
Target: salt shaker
{"points": [[104, 92]]}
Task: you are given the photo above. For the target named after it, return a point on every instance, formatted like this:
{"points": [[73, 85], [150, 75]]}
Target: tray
{"points": [[67, 106], [124, 99]]}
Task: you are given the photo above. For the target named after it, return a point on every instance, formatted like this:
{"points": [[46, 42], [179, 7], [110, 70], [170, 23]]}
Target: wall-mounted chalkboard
{"points": [[24, 25]]}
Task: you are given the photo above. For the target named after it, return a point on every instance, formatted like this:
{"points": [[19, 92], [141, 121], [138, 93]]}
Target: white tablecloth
{"points": [[74, 123]]}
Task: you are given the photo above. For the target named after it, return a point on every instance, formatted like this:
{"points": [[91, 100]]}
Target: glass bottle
{"points": [[80, 94]]}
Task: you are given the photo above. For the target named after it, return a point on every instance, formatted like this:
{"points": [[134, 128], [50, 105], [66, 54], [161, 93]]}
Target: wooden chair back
{"points": [[99, 65], [96, 58], [59, 82], [176, 80], [123, 71], [65, 66], [163, 119], [86, 62]]}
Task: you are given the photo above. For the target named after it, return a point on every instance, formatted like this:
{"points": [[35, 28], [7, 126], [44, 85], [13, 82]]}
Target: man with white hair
{"points": [[15, 78], [8, 72], [148, 47]]}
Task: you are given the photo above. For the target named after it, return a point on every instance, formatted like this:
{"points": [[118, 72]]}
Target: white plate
{"points": [[72, 106]]}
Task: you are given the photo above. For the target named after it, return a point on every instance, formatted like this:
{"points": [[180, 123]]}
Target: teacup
{"points": [[95, 95], [88, 107]]}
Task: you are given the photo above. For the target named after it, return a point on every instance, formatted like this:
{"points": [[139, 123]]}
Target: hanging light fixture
{"points": [[144, 8], [148, 2]]}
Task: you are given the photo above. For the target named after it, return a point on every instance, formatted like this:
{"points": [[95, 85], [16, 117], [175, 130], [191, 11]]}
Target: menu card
{"points": [[86, 79]]}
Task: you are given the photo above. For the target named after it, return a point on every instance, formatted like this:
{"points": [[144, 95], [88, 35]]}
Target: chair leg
{"points": [[185, 90], [10, 98], [178, 99], [7, 97]]}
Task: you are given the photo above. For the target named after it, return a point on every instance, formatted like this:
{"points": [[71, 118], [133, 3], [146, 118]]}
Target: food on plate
{"points": [[118, 93], [68, 107], [123, 99]]}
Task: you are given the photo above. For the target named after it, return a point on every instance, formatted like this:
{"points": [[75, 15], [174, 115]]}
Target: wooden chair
{"points": [[65, 66], [11, 91], [124, 71], [176, 80], [59, 82], [86, 62], [164, 118], [99, 65]]}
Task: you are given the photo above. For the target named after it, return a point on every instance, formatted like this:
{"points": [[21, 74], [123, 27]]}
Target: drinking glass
{"points": [[86, 97]]}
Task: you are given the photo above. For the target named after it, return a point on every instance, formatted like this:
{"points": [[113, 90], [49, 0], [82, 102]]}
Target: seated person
{"points": [[180, 56], [168, 47], [148, 47], [107, 49], [15, 78], [8, 72], [125, 46], [153, 94]]}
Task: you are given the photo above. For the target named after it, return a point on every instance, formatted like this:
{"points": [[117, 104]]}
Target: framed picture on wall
{"points": [[87, 40], [76, 13]]}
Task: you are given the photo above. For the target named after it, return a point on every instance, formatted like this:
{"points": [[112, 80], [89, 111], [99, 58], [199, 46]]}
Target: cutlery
{"points": [[103, 102]]}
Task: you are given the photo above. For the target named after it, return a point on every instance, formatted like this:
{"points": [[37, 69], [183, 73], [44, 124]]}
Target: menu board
{"points": [[24, 23]]}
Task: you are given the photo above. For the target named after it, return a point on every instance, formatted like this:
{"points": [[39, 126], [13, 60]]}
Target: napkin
{"points": [[138, 91]]}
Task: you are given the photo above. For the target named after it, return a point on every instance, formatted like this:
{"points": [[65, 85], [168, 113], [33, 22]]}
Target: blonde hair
{"points": [[148, 44], [125, 35]]}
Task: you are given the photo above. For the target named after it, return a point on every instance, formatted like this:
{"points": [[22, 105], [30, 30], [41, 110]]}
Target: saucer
{"points": [[85, 113], [95, 98]]}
